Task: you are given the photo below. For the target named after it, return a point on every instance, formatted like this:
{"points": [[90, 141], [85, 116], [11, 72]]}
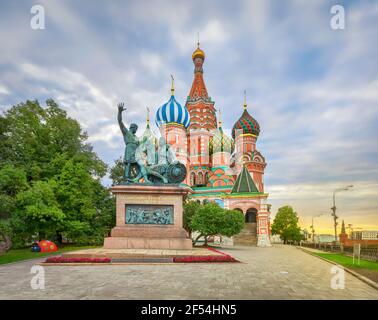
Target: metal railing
{"points": [[367, 252]]}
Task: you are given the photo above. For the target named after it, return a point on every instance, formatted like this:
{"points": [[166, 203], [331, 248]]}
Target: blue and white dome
{"points": [[172, 112]]}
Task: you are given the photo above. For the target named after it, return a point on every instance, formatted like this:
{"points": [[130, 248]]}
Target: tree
{"points": [[85, 203], [32, 136], [117, 172], [190, 209], [285, 224], [38, 211], [12, 181], [50, 177], [233, 223], [211, 220], [5, 239]]}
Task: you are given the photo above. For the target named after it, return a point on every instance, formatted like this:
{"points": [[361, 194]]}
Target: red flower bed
{"points": [[204, 259], [77, 260], [223, 258]]}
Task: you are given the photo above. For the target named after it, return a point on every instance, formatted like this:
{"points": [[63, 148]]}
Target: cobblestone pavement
{"points": [[280, 272]]}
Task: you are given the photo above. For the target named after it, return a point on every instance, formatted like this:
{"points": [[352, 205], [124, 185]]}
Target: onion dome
{"points": [[172, 112], [246, 124], [221, 142], [198, 53]]}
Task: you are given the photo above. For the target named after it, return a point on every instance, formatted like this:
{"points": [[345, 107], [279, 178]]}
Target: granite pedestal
{"points": [[149, 236]]}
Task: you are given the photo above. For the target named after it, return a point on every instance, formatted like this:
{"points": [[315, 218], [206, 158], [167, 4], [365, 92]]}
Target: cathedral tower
{"points": [[221, 148], [173, 120], [203, 123], [245, 133]]}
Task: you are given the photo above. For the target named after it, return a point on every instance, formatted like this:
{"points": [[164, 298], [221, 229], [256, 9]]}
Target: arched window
{"points": [[192, 179], [206, 177], [200, 179]]}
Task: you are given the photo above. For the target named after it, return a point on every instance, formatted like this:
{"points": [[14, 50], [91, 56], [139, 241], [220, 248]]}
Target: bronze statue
{"points": [[131, 142], [143, 161]]}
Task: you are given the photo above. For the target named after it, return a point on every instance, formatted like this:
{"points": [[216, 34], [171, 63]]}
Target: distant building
{"points": [[306, 235], [364, 235], [324, 238]]}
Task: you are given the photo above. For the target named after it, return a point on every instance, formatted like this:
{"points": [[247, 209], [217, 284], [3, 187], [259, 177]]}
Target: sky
{"points": [[313, 89]]}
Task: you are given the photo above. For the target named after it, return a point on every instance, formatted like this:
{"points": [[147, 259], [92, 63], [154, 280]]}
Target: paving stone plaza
{"points": [[279, 272]]}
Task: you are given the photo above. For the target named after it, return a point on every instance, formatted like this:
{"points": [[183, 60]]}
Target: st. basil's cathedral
{"points": [[223, 169]]}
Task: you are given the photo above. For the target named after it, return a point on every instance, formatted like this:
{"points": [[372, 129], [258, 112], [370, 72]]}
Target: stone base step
{"points": [[245, 243], [149, 231], [246, 234], [140, 255], [147, 243], [245, 239]]}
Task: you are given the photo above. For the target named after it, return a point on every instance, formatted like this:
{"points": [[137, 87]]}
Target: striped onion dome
{"points": [[246, 124], [172, 112]]}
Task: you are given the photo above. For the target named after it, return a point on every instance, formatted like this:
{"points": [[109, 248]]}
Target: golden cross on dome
{"points": [[198, 41], [172, 87], [245, 99]]}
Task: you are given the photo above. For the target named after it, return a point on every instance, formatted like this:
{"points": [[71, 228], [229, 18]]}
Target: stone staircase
{"points": [[247, 237]]}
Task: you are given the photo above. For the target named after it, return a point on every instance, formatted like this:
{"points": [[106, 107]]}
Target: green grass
{"points": [[348, 261], [25, 254]]}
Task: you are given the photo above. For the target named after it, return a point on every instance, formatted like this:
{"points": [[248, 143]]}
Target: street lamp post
{"points": [[335, 217], [312, 226]]}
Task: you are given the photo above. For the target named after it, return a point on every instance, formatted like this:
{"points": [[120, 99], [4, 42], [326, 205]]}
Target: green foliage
{"points": [[190, 209], [12, 181], [15, 255], [347, 261], [212, 220], [50, 177], [233, 223], [38, 210], [33, 136], [117, 172], [5, 229], [7, 205], [286, 225]]}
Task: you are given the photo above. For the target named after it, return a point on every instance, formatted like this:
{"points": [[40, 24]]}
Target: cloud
{"points": [[107, 134], [73, 91], [212, 33], [3, 90]]}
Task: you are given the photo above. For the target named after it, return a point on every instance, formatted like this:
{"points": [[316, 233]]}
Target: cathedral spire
{"points": [[198, 89], [245, 100], [198, 103]]}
